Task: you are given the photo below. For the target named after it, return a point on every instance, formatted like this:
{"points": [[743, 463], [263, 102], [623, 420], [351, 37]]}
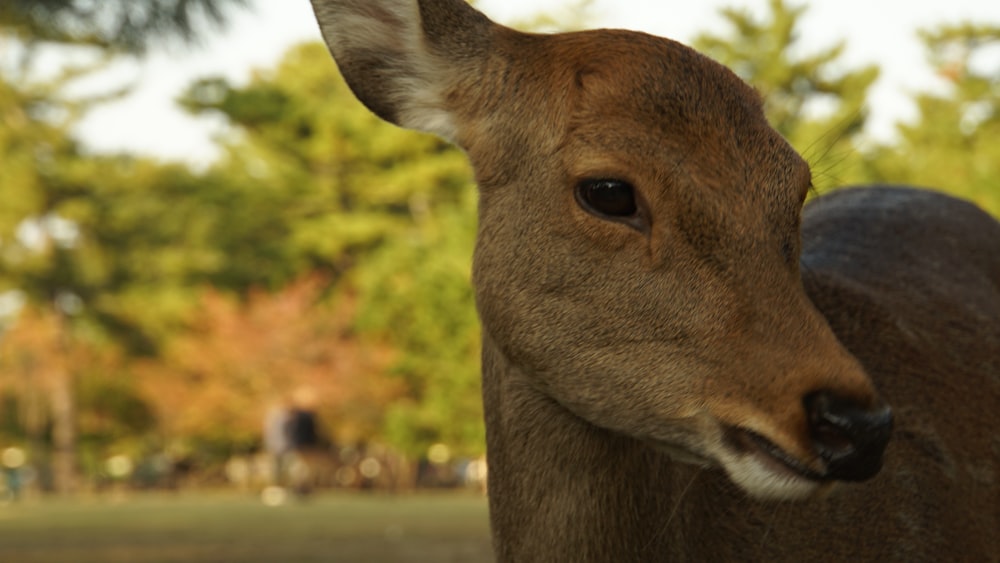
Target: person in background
{"points": [[304, 437], [277, 442]]}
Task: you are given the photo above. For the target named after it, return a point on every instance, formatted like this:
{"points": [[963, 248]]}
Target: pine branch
{"points": [[128, 25]]}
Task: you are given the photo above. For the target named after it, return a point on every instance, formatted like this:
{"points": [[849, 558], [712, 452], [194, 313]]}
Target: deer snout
{"points": [[850, 438]]}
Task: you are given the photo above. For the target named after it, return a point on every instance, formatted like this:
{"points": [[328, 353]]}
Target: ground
{"points": [[240, 528]]}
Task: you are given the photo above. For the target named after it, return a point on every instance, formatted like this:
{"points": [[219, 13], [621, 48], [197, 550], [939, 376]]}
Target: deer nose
{"points": [[848, 437]]}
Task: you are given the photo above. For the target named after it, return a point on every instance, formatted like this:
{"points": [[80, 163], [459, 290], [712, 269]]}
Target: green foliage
{"points": [[11, 427], [952, 145], [417, 294], [572, 16], [820, 110], [55, 250], [112, 411], [390, 212], [345, 180], [34, 144], [122, 24]]}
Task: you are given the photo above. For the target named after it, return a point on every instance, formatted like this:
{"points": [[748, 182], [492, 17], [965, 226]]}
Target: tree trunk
{"points": [[62, 401], [63, 405]]}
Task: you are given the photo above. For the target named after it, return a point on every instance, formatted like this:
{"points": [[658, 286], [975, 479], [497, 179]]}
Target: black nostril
{"points": [[850, 438]]}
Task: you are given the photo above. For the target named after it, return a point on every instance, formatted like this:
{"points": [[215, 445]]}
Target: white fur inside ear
{"points": [[392, 31], [424, 111]]}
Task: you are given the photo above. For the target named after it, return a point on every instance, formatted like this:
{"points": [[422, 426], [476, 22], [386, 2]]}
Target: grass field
{"points": [[229, 527]]}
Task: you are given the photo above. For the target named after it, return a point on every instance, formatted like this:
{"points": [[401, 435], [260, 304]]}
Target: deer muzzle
{"points": [[848, 437]]}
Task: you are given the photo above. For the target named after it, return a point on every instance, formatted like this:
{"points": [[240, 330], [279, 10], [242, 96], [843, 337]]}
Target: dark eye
{"points": [[610, 198]]}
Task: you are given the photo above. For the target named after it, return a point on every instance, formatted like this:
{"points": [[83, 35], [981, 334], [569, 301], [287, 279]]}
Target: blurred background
{"points": [[236, 306]]}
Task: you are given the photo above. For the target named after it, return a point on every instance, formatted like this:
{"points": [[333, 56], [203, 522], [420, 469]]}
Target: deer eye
{"points": [[607, 198]]}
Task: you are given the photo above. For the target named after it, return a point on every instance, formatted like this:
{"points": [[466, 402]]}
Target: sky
{"points": [[149, 122]]}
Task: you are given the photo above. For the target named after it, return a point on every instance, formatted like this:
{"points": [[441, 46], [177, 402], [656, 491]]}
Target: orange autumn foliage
{"points": [[216, 380]]}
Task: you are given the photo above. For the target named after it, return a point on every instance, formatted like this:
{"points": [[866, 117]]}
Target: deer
{"points": [[682, 360]]}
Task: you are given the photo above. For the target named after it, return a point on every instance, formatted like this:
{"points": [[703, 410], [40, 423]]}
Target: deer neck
{"points": [[562, 489]]}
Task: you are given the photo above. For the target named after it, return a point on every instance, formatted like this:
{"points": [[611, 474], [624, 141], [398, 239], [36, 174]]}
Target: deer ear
{"points": [[401, 57]]}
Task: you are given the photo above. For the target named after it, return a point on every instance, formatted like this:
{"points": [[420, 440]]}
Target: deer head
{"points": [[637, 258]]}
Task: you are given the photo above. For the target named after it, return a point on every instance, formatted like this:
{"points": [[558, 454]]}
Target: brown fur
{"points": [[615, 358]]}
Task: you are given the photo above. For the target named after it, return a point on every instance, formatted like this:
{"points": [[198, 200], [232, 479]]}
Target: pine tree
{"points": [[128, 25], [819, 110], [952, 144], [389, 214], [50, 189]]}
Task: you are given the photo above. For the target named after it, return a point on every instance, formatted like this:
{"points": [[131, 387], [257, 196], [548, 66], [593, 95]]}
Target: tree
{"points": [[128, 25], [389, 214], [45, 254], [819, 110], [416, 293], [33, 364], [952, 144], [212, 383], [350, 181], [34, 240]]}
